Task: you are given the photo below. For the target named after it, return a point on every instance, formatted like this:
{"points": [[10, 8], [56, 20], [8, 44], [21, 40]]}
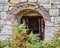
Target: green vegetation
{"points": [[20, 39], [3, 44]]}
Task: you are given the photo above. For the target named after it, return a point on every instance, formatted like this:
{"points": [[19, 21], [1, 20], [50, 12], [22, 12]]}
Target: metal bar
{"points": [[37, 1], [39, 24], [27, 1], [27, 23]]}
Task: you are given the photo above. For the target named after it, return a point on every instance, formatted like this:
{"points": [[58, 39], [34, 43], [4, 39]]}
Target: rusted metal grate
{"points": [[35, 24]]}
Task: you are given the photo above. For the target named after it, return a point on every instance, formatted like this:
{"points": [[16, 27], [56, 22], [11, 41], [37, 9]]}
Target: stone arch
{"points": [[30, 11], [26, 7]]}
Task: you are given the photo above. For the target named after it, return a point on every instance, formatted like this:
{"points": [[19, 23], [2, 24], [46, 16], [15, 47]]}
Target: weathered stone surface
{"points": [[3, 15], [55, 1], [3, 38], [7, 27], [14, 1], [49, 37], [46, 5], [49, 24], [32, 0], [0, 26], [57, 20], [6, 31], [52, 19], [5, 8], [58, 6], [6, 1], [55, 6], [44, 1], [10, 8], [0, 15], [1, 22], [3, 1], [23, 0], [54, 12], [9, 23], [1, 7], [50, 30], [49, 33], [0, 30]]}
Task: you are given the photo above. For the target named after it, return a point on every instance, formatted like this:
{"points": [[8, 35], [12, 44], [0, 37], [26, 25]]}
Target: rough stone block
{"points": [[3, 38], [0, 26], [0, 15], [55, 6], [6, 31], [5, 8], [6, 1], [49, 24], [50, 30], [14, 1], [3, 1], [1, 7], [9, 23], [0, 30], [23, 0], [52, 19], [7, 27], [1, 22], [46, 5], [55, 1], [3, 15], [57, 20], [54, 12], [49, 37], [43, 1], [32, 0], [58, 6], [10, 8]]}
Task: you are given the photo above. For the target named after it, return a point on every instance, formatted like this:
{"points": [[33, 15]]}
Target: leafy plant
{"points": [[3, 44], [33, 37], [20, 39]]}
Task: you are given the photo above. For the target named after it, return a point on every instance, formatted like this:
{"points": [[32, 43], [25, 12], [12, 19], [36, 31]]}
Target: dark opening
{"points": [[35, 24]]}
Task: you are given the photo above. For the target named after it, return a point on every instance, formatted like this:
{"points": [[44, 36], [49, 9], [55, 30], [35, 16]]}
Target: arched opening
{"points": [[34, 22], [33, 15]]}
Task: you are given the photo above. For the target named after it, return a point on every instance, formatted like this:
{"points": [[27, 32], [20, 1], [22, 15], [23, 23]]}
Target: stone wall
{"points": [[51, 6], [5, 29]]}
